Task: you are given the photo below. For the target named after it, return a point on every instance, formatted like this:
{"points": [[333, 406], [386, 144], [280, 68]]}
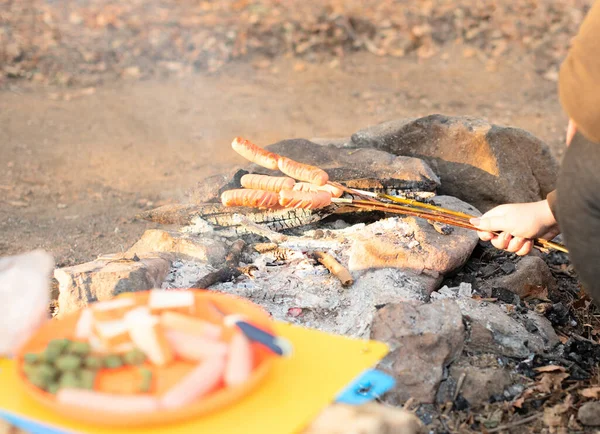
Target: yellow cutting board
{"points": [[292, 395]]}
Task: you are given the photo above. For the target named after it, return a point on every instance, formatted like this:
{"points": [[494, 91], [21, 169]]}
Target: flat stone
{"points": [[368, 163], [105, 278], [530, 271], [209, 189], [589, 413], [493, 330], [416, 245], [424, 339], [337, 142], [24, 297], [369, 418], [480, 383], [182, 246], [483, 164], [388, 285]]}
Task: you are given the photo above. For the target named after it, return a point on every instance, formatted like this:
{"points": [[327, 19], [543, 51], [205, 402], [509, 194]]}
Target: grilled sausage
{"points": [[303, 172], [268, 183], [312, 188], [255, 153], [305, 200], [250, 198]]}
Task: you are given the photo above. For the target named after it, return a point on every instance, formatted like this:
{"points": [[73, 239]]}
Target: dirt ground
{"points": [[79, 163]]}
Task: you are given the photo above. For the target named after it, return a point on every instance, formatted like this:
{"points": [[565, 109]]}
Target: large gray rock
{"points": [[181, 246], [589, 413], [480, 382], [531, 271], [424, 339], [368, 163], [494, 330], [105, 278], [483, 164], [418, 248]]}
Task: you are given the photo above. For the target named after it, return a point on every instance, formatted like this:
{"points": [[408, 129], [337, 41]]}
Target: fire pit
{"points": [[466, 324]]}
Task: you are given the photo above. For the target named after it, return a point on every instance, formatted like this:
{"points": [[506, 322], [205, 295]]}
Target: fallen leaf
{"points": [[550, 368], [590, 392], [555, 416], [573, 424], [521, 399], [543, 308], [18, 203], [469, 52], [536, 292], [551, 75], [299, 67], [550, 382]]}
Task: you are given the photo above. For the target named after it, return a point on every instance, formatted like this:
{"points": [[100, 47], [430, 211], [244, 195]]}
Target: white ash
{"points": [[462, 290], [198, 226], [294, 287], [183, 274]]}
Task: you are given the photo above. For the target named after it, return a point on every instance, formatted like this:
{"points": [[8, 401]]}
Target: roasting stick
{"points": [[399, 209], [436, 216], [365, 195], [417, 203], [444, 211]]}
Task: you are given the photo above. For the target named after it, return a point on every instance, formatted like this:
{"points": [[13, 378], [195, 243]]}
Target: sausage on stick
{"points": [[267, 183], [255, 153], [303, 172], [304, 200], [250, 198]]}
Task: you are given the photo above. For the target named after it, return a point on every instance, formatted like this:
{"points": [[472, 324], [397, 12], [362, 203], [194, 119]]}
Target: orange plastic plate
{"points": [[122, 380]]}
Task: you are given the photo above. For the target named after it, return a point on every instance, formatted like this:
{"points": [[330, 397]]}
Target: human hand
{"points": [[571, 131], [518, 225]]}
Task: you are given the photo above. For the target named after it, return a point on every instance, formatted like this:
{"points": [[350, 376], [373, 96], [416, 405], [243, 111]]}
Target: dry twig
{"points": [[337, 269], [508, 426], [229, 271]]}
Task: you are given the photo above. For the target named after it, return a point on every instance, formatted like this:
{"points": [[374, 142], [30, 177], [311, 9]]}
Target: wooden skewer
{"points": [[438, 217], [399, 209]]}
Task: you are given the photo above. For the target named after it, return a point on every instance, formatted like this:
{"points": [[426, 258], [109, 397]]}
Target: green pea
{"points": [[87, 378], [69, 379], [68, 362], [93, 362], [134, 357], [47, 371], [58, 345], [31, 358], [29, 368], [80, 348], [51, 353], [53, 388], [146, 383], [113, 361], [38, 380]]}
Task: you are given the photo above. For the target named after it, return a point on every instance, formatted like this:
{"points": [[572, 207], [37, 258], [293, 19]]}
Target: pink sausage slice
{"points": [[196, 348], [239, 362], [200, 381], [107, 402]]}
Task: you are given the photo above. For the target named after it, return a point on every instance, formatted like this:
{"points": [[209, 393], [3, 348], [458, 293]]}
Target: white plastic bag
{"points": [[24, 297]]}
